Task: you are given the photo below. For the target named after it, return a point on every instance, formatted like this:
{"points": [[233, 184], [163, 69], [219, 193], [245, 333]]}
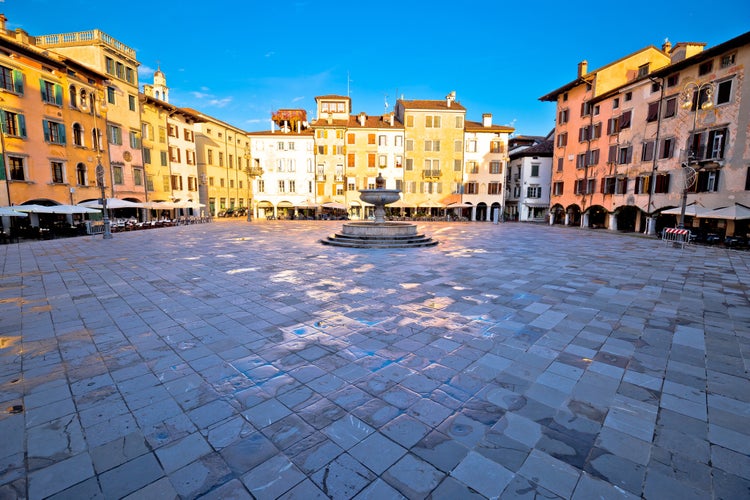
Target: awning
{"points": [[733, 212], [112, 203], [10, 212], [56, 209], [335, 205], [399, 204], [692, 210], [431, 204], [459, 205]]}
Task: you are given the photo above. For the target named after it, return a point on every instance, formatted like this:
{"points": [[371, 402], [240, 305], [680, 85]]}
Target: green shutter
{"points": [[43, 89], [18, 81], [21, 125], [45, 126], [2, 167], [4, 123], [58, 94], [61, 132]]}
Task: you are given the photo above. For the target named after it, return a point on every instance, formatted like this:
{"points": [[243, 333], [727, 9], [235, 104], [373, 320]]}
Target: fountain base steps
{"points": [[379, 235]]}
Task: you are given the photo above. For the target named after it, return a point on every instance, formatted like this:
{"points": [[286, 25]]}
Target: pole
{"points": [[105, 217]]}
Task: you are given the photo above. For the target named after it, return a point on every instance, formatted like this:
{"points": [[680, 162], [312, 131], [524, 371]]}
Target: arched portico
{"points": [[572, 215]]}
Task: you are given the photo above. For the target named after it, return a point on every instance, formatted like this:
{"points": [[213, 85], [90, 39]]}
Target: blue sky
{"points": [[240, 60]]}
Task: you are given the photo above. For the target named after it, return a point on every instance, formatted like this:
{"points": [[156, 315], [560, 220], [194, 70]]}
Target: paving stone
{"points": [[370, 377]]}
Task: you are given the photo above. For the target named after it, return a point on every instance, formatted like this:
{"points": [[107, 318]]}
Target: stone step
{"points": [[413, 241]]}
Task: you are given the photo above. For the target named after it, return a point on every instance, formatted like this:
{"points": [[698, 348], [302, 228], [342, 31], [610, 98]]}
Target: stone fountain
{"points": [[379, 233]]}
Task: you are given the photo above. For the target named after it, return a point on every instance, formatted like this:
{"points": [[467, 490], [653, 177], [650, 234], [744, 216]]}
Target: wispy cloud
{"points": [[220, 103], [201, 95], [271, 53], [143, 70], [297, 99]]}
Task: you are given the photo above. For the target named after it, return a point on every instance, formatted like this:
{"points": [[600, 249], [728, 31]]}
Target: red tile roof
{"points": [[432, 104]]}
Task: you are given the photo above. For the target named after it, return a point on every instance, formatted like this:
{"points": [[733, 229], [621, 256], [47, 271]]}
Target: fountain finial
{"points": [[380, 181]]}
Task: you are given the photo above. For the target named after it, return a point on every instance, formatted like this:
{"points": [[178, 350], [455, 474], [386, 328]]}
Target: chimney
{"points": [[666, 46], [390, 118], [362, 119], [450, 98], [3, 19], [487, 120], [24, 38], [583, 67], [273, 127]]}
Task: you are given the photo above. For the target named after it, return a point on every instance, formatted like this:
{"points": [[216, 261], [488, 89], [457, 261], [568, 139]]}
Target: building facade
{"points": [[666, 119], [485, 163], [107, 55], [528, 179], [283, 167]]}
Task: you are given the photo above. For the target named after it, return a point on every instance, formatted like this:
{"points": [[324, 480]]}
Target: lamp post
{"points": [[699, 96], [100, 181]]}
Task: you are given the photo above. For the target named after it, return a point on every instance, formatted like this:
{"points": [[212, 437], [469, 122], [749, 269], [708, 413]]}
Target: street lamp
{"points": [[100, 173], [699, 97]]}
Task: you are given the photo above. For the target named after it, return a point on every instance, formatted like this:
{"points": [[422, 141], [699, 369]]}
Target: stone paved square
{"points": [[247, 360]]}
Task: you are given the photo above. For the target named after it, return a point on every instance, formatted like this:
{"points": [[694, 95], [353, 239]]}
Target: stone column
{"points": [[613, 222], [585, 219], [567, 218]]}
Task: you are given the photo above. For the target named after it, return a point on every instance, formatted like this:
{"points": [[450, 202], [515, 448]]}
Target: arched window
{"points": [[81, 174], [84, 100], [77, 134], [73, 97], [92, 102]]}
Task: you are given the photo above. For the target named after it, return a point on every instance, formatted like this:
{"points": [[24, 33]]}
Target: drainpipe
{"points": [[650, 221]]}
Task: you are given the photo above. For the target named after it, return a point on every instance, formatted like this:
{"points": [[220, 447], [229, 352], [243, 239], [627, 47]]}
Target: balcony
{"points": [[338, 178], [320, 177], [431, 174], [90, 37]]}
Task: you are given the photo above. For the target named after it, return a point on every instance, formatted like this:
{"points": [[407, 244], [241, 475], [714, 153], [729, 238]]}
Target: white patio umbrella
{"points": [[112, 203], [459, 205], [732, 212], [56, 209], [335, 205], [691, 210], [10, 212]]}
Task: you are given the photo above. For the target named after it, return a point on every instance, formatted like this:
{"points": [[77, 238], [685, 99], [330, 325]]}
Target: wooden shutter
{"points": [[17, 81]]}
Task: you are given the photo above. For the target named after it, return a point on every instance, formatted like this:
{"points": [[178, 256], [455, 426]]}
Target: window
{"points": [[705, 68], [662, 183], [17, 168], [221, 158], [613, 126], [370, 138], [382, 161], [706, 182], [628, 96], [471, 146], [534, 191], [410, 121], [615, 103], [708, 145], [58, 175], [608, 185], [673, 80], [261, 186], [162, 135], [496, 167], [146, 155], [590, 185], [653, 112], [496, 147], [560, 164], [535, 170], [621, 185], [371, 160], [114, 134], [135, 143], [81, 174], [471, 188], [11, 80], [410, 144], [581, 160], [51, 92], [724, 92], [585, 108], [643, 70], [350, 160], [432, 145], [138, 176], [281, 186], [163, 158], [562, 140], [73, 96], [667, 148], [563, 116], [495, 188], [612, 155], [747, 180], [131, 102], [670, 107], [111, 95], [382, 140], [14, 124], [593, 157], [557, 188], [120, 70], [459, 122], [409, 164], [625, 119], [431, 121], [472, 167], [625, 155], [728, 60], [458, 146], [129, 74], [642, 184], [117, 173], [647, 153], [54, 132], [350, 138], [457, 165]]}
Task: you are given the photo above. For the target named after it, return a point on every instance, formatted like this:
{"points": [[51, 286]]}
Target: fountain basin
{"points": [[379, 196]]}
